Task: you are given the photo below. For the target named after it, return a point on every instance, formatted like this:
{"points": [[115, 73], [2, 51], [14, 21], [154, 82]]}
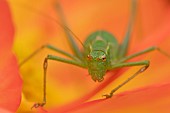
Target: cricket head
{"points": [[97, 65]]}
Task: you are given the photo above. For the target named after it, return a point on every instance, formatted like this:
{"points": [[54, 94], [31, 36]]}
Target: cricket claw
{"points": [[107, 96], [36, 105]]}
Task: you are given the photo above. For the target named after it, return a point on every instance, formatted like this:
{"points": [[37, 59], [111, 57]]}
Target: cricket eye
{"points": [[104, 58], [89, 57]]}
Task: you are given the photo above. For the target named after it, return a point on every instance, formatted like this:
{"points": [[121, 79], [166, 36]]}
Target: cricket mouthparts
{"points": [[97, 77]]}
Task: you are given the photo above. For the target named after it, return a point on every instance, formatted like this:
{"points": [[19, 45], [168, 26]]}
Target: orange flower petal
{"points": [[4, 111], [6, 28], [151, 99], [11, 84], [160, 34]]}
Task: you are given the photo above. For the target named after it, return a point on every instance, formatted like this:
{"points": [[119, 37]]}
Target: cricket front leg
{"points": [[45, 65], [36, 105], [146, 65]]}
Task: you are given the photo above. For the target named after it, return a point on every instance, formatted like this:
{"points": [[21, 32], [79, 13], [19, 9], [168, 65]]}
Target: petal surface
{"points": [[11, 84]]}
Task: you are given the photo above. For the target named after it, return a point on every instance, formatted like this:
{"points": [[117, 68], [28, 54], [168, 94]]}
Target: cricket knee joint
{"points": [[163, 52], [45, 63], [145, 67], [46, 46]]}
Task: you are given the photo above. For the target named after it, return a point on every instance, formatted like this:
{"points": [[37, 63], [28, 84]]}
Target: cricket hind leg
{"points": [[124, 45], [70, 35], [150, 49], [51, 47]]}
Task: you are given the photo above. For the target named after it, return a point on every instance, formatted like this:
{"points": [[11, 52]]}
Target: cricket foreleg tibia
{"points": [[146, 63], [45, 65]]}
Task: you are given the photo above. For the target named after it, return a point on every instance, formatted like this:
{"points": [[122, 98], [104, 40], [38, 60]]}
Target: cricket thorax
{"points": [[97, 65]]}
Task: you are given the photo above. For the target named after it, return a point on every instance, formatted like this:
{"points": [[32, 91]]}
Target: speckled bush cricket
{"points": [[101, 52]]}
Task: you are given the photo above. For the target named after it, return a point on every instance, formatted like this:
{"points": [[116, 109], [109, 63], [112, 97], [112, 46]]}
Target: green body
{"points": [[100, 51]]}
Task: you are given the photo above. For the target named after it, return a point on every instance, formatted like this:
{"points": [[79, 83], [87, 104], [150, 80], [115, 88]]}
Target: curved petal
{"points": [[67, 84], [150, 99], [4, 111], [11, 84]]}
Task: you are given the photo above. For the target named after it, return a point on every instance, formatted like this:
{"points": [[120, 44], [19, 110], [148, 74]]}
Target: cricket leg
{"points": [[146, 65], [51, 47], [150, 49], [124, 45], [36, 105], [45, 65], [70, 35]]}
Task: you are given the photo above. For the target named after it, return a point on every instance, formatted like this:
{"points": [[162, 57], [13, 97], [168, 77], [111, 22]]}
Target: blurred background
{"points": [[65, 82]]}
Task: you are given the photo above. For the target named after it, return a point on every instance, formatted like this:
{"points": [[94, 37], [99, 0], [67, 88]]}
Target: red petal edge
{"points": [[4, 111], [144, 99], [11, 84]]}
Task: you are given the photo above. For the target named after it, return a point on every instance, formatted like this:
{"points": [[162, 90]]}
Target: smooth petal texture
{"points": [[11, 84], [150, 99], [67, 85], [4, 111], [6, 30]]}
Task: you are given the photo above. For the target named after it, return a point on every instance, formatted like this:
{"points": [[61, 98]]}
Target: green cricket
{"points": [[101, 53]]}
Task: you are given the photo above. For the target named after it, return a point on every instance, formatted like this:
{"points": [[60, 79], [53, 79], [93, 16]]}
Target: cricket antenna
{"points": [[65, 27], [34, 10]]}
